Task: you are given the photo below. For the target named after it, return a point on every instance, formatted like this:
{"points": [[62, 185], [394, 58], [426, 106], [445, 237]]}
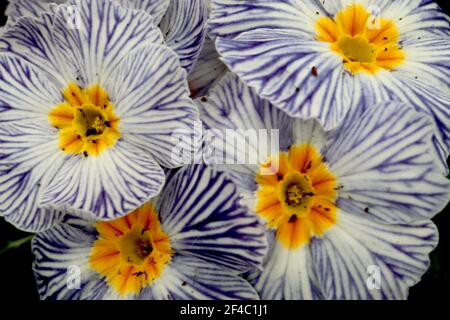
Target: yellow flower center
{"points": [[131, 252], [86, 121], [366, 43], [298, 200], [135, 246]]}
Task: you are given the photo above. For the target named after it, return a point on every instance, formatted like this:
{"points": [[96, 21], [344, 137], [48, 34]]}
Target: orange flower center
{"points": [[86, 121], [131, 252], [297, 200], [365, 42]]}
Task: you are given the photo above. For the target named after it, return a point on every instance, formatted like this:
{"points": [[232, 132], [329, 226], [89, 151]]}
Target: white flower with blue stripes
{"points": [[87, 112], [320, 59], [335, 203], [191, 242]]}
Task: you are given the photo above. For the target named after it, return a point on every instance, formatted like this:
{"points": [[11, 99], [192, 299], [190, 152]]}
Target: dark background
{"points": [[17, 281]]}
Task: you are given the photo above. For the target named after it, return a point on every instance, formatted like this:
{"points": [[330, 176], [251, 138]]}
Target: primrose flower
{"points": [[320, 59], [192, 242], [335, 203], [87, 113], [182, 22]]}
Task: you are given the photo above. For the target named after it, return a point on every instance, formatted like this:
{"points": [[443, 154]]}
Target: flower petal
{"points": [[301, 77], [345, 255], [26, 94], [309, 131], [191, 278], [151, 97], [184, 27], [109, 186], [423, 94], [207, 71], [28, 160], [27, 8], [28, 148], [385, 165], [34, 8], [202, 213], [229, 18], [156, 8], [428, 60], [417, 17], [287, 275]]}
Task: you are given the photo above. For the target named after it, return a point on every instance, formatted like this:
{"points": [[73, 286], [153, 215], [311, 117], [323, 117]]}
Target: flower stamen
{"points": [[298, 200], [86, 121], [131, 252]]}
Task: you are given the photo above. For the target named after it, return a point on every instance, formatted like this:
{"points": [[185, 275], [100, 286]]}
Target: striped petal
{"points": [[351, 257], [287, 275], [191, 278], [410, 16], [151, 96], [156, 8], [265, 49], [230, 18], [419, 91], [417, 17], [309, 131], [203, 215], [385, 165], [28, 160], [184, 28], [26, 94], [428, 60], [301, 77], [109, 186], [61, 254], [91, 55], [34, 8], [32, 40], [208, 70], [28, 148]]}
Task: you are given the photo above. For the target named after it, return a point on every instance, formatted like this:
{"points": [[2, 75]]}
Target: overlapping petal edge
{"points": [[184, 29], [183, 23], [207, 71]]}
